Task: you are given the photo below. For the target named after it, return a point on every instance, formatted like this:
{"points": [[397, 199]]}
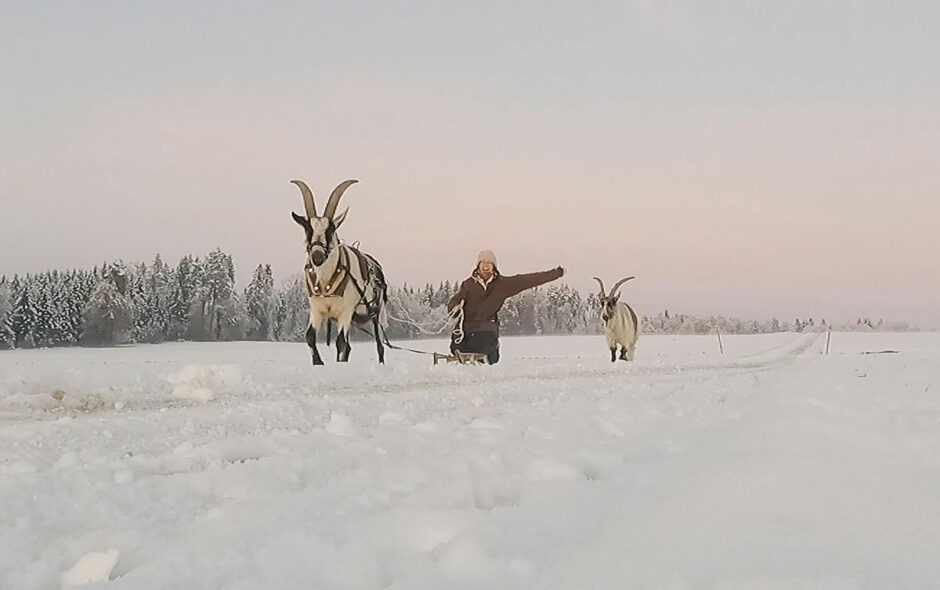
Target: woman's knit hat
{"points": [[486, 256]]}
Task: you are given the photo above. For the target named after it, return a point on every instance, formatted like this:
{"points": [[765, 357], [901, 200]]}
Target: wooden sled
{"points": [[464, 358]]}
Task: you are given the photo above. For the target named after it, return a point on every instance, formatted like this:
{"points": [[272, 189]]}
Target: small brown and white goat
{"points": [[620, 323]]}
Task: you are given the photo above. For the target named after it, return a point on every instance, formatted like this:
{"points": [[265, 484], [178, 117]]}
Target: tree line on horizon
{"points": [[120, 303]]}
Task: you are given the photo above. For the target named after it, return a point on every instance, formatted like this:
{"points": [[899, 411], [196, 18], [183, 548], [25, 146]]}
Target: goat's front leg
{"points": [[342, 346], [312, 343], [613, 354]]}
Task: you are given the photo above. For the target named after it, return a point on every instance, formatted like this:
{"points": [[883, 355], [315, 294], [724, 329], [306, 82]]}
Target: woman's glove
{"points": [[560, 269]]}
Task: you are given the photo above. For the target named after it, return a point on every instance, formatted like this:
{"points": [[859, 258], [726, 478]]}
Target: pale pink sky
{"points": [[797, 180]]}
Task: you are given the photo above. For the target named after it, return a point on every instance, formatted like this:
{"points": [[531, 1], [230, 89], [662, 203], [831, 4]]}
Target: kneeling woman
{"points": [[482, 295]]}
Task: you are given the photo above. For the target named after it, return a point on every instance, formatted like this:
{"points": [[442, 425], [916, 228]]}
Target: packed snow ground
{"points": [[240, 466]]}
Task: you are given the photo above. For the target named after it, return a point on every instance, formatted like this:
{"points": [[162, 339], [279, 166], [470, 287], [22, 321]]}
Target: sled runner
{"points": [[464, 358]]}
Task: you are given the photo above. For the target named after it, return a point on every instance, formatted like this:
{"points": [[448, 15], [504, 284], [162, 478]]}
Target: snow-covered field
{"points": [[239, 466]]}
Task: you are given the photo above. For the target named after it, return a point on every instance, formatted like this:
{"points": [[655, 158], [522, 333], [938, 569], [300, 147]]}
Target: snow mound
{"points": [[464, 558], [391, 418], [340, 425], [92, 567], [202, 383], [551, 470], [57, 400]]}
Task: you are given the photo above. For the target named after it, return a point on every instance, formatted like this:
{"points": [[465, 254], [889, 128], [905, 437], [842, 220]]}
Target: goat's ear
{"points": [[304, 223], [339, 219], [616, 297]]}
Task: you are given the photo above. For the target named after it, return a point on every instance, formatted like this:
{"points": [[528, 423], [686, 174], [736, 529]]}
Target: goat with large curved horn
{"points": [[621, 327], [309, 206], [613, 292], [345, 286], [333, 203]]}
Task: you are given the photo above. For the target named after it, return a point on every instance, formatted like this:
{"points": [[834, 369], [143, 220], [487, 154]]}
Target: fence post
{"points": [[828, 338], [720, 347]]}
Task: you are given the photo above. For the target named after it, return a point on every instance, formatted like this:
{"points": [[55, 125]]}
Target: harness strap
{"points": [[393, 346], [365, 268], [337, 283]]}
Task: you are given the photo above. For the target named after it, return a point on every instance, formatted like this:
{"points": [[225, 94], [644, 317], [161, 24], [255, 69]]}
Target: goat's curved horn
{"points": [[602, 287], [309, 206], [613, 292], [333, 203]]}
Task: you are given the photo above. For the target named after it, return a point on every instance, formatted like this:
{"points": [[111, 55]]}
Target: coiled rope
{"points": [[455, 314]]}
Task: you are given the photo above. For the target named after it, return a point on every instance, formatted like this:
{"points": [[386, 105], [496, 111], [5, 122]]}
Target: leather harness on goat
{"points": [[336, 286]]}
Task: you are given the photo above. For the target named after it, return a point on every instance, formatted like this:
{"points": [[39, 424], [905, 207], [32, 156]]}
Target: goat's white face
{"points": [[608, 306], [608, 303], [322, 240], [320, 230]]}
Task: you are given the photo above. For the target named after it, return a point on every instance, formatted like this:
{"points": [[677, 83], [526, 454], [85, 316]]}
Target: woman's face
{"points": [[485, 269]]}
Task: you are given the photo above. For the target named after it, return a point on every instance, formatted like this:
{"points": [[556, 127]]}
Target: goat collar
{"points": [[336, 285]]}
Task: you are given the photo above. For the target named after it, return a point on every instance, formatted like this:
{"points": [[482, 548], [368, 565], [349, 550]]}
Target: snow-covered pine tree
{"points": [[292, 315], [85, 282], [56, 294], [509, 321], [39, 295], [201, 309], [71, 288], [592, 318], [136, 292], [233, 316], [109, 316], [77, 298], [185, 282], [216, 311], [7, 337], [116, 273], [519, 315], [152, 294], [441, 295], [541, 309], [260, 304], [24, 312], [159, 292], [564, 311], [444, 294]]}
